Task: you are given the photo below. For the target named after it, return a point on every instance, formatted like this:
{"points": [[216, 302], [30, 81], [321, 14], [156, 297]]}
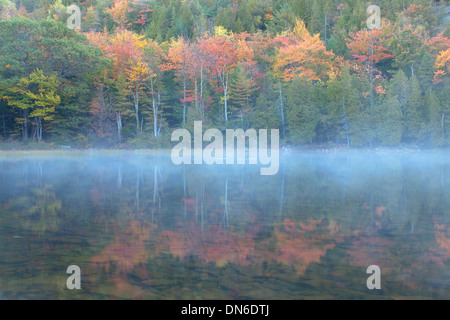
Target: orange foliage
{"points": [[213, 246], [365, 251], [127, 250], [301, 244], [180, 244], [124, 289], [368, 45], [304, 56], [118, 12], [442, 65], [227, 247], [441, 253], [221, 53]]}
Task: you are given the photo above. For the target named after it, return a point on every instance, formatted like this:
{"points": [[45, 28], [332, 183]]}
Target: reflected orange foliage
{"points": [[441, 252], [366, 251], [379, 211], [124, 289], [227, 247], [214, 246], [127, 250], [180, 244], [301, 244]]}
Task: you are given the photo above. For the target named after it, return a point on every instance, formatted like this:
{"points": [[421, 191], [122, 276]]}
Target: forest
{"points": [[138, 69]]}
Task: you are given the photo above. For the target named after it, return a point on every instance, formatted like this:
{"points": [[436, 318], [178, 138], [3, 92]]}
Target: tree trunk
{"points": [[283, 126], [196, 96], [4, 126], [371, 88], [225, 91], [345, 122], [370, 70], [119, 126], [136, 108], [184, 99], [201, 91], [25, 126], [40, 129], [155, 111], [160, 120], [35, 130]]}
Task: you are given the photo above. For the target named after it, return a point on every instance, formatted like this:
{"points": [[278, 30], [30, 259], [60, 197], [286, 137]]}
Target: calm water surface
{"points": [[140, 227]]}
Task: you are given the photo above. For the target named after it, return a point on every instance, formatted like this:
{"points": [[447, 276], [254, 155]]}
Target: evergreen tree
{"points": [[400, 86], [302, 113], [390, 129], [415, 112], [434, 130], [241, 91]]}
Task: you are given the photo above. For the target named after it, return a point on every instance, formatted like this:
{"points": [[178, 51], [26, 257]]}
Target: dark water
{"points": [[142, 228]]}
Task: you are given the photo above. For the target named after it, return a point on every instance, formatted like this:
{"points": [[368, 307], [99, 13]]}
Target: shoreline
{"points": [[283, 150]]}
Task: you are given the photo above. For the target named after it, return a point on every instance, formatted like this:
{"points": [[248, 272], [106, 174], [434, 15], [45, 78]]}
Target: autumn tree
{"points": [[305, 56], [126, 50], [27, 45], [36, 96], [442, 65], [220, 52], [368, 48], [155, 59], [118, 12], [180, 59]]}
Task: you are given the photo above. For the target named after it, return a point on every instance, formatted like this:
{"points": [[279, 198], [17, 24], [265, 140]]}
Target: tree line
{"points": [[139, 69]]}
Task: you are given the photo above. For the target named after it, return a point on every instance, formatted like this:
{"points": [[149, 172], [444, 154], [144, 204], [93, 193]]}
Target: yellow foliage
{"points": [[300, 30], [220, 31]]}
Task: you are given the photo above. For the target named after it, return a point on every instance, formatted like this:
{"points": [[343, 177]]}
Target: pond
{"points": [[140, 227]]}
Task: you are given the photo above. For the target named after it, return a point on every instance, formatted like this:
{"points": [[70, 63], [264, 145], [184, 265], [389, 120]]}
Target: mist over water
{"points": [[139, 226]]}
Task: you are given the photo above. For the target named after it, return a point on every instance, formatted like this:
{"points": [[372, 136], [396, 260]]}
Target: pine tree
{"points": [[344, 101], [241, 91], [390, 129], [415, 111], [91, 21], [400, 86], [302, 112], [363, 130], [433, 129]]}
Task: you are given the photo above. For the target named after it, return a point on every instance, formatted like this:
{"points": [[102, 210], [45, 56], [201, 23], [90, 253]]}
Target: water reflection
{"points": [[142, 228]]}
